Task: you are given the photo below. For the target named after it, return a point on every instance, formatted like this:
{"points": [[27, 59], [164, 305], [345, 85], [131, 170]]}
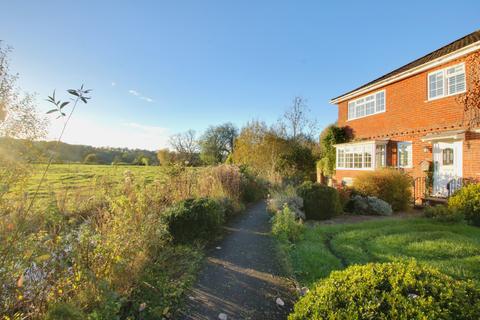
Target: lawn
{"points": [[452, 248]]}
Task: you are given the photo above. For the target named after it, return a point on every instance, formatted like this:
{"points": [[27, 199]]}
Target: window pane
{"points": [[456, 83], [360, 109], [380, 101], [436, 85], [404, 154], [447, 156], [370, 108], [351, 110], [341, 158], [380, 156], [367, 157]]}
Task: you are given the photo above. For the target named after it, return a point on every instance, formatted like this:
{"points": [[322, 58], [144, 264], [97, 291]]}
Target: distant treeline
{"points": [[40, 152]]}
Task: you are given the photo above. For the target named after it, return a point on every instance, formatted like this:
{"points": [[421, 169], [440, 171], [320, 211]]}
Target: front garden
{"points": [[417, 267]]}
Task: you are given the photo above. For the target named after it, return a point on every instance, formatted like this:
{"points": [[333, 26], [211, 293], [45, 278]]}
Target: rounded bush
{"points": [[396, 290], [467, 202], [392, 186], [194, 219], [319, 201]]}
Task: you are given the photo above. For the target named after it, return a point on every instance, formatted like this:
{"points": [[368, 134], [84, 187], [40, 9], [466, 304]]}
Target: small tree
{"points": [[217, 143], [296, 122], [470, 100], [185, 146]]}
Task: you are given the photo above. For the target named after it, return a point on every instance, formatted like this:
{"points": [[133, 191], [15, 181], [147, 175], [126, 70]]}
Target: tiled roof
{"points": [[449, 48]]}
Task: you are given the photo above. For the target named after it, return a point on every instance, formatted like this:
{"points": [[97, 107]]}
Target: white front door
{"points": [[447, 160]]}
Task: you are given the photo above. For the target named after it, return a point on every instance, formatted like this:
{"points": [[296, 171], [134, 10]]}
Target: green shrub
{"points": [[389, 291], [285, 226], [194, 219], [443, 214], [319, 201], [392, 186], [467, 202], [64, 311]]}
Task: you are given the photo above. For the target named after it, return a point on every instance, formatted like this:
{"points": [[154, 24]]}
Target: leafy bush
{"points": [[467, 202], [319, 201], [286, 197], [390, 185], [369, 206], [390, 291], [194, 219], [285, 226], [443, 213]]}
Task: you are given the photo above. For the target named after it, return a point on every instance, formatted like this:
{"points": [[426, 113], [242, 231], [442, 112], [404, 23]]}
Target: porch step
{"points": [[434, 201]]}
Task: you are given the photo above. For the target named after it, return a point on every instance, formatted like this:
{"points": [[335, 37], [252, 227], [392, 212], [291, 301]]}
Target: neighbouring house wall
{"points": [[408, 117], [407, 110]]}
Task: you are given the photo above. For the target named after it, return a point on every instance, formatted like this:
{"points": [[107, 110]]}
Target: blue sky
{"points": [[160, 67]]}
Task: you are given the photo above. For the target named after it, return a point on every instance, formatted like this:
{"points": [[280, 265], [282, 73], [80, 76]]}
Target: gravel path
{"points": [[242, 277]]}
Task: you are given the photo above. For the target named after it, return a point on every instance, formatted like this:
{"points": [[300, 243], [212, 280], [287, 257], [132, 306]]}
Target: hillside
{"points": [[40, 151]]}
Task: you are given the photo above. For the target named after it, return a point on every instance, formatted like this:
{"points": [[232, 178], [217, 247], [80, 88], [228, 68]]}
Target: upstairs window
{"points": [[366, 106], [446, 82]]}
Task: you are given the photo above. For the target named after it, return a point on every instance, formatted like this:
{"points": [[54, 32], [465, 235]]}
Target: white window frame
{"points": [[364, 146], [410, 154], [445, 82], [364, 99]]}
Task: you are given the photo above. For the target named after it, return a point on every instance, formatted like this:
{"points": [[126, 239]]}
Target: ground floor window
{"points": [[380, 156], [355, 157], [404, 154]]}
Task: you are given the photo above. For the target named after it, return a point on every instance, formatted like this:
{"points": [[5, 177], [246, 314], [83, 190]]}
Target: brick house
{"points": [[411, 119]]}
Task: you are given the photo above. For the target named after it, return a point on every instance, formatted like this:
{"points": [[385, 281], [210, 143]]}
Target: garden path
{"points": [[242, 277]]}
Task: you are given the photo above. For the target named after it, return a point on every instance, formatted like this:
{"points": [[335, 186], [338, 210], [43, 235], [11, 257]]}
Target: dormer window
{"points": [[366, 106]]}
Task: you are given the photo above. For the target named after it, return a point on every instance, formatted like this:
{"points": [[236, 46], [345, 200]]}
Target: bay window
{"points": [[361, 156]]}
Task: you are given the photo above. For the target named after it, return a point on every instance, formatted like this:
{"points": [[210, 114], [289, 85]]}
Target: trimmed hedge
{"points": [[389, 291], [467, 202], [392, 186], [194, 219], [319, 201]]}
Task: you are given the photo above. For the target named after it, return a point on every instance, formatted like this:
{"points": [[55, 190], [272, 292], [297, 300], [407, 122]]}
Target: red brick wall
{"points": [[408, 117]]}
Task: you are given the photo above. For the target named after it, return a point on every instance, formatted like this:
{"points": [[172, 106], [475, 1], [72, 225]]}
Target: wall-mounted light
{"points": [[426, 149]]}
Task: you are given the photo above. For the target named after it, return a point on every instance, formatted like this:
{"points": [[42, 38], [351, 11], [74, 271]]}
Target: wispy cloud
{"points": [[146, 99], [114, 83], [139, 95]]}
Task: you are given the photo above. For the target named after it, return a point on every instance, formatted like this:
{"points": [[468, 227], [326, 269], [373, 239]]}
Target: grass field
{"points": [[452, 248], [61, 177]]}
